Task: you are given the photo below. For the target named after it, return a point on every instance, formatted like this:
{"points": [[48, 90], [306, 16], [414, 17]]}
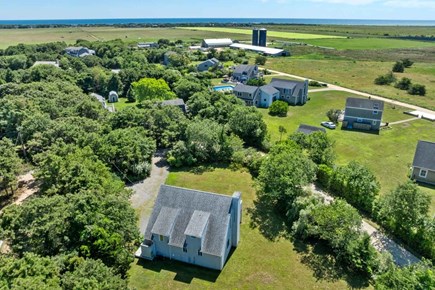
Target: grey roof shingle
{"points": [[165, 221], [286, 84], [245, 89], [175, 102], [307, 129], [425, 155], [365, 104], [188, 201], [268, 89], [244, 68], [197, 224]]}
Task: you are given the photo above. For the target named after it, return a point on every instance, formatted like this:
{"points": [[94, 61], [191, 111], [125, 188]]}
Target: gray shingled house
{"points": [[79, 51], [244, 72], [176, 103], [308, 129], [205, 65], [363, 114], [293, 92], [423, 166], [192, 226]]}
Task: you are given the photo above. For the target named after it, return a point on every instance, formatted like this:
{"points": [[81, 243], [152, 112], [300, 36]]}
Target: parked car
{"points": [[329, 125]]}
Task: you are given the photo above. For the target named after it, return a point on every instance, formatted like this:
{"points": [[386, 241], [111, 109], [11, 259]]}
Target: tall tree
{"points": [[9, 165], [152, 89]]}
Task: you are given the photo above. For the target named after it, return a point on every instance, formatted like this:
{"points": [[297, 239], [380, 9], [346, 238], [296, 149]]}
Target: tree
{"points": [[185, 88], [278, 108], [398, 67], [10, 165], [403, 84], [114, 84], [357, 184], [258, 82], [284, 171], [129, 153], [248, 124], [333, 115], [404, 210], [407, 62], [152, 89], [417, 89], [260, 60]]}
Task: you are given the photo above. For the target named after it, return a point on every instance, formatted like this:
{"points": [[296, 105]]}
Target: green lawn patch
{"points": [[389, 154], [257, 263], [277, 34], [123, 103], [369, 43]]}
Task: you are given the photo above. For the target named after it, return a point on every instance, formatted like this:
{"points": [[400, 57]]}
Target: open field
{"points": [[277, 34], [257, 263], [70, 35], [359, 75], [369, 43], [389, 154]]}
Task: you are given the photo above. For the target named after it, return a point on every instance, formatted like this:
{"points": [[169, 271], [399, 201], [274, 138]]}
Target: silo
{"points": [[255, 34], [263, 37]]}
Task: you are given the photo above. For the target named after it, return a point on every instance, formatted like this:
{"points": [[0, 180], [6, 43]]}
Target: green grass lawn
{"points": [[359, 75], [123, 103], [389, 154], [277, 34], [257, 263], [369, 43]]}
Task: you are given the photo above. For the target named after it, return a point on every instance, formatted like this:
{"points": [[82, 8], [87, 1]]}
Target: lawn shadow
{"points": [[200, 169], [426, 185], [185, 273], [321, 260], [267, 217], [361, 131]]}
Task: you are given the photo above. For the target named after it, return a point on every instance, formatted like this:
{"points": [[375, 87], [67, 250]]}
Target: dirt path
{"points": [[338, 88], [145, 192], [403, 121], [380, 241], [26, 188]]}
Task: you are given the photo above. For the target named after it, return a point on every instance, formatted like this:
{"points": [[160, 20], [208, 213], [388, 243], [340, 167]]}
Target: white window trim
{"points": [[421, 171]]}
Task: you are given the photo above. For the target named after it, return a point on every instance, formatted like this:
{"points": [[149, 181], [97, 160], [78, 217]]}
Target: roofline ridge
{"points": [[196, 190], [431, 142]]}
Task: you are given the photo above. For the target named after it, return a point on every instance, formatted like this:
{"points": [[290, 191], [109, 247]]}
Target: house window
{"points": [[375, 106], [375, 112], [265, 100], [185, 247], [199, 252], [374, 122], [161, 238], [423, 173], [359, 120], [228, 243]]}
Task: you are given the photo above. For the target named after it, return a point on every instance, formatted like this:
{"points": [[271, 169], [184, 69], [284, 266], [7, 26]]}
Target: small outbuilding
{"points": [[113, 97], [423, 166]]}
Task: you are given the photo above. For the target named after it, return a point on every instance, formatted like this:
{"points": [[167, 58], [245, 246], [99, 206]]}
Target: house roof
{"points": [[197, 211], [425, 155], [212, 61], [165, 221], [365, 104], [245, 89], [266, 50], [218, 41], [307, 129], [286, 84], [268, 89], [98, 97], [244, 68], [175, 102]]}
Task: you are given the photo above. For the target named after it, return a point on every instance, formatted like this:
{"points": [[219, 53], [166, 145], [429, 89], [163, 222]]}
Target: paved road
{"points": [[380, 241], [338, 88], [145, 192]]}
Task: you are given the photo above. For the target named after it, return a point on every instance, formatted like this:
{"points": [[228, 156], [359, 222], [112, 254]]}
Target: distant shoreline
{"points": [[141, 22]]}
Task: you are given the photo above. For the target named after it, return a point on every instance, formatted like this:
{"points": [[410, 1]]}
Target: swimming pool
{"points": [[223, 88]]}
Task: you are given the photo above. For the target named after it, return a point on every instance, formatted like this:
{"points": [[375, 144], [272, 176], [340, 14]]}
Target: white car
{"points": [[329, 125]]}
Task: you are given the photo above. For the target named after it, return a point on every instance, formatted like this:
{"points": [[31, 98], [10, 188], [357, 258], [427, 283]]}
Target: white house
{"points": [[192, 226], [79, 51]]}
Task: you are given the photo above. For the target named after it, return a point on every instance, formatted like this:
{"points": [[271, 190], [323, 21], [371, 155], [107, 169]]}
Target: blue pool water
{"points": [[223, 88]]}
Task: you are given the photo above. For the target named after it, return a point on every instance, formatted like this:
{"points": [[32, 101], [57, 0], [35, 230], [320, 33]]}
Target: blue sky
{"points": [[349, 9]]}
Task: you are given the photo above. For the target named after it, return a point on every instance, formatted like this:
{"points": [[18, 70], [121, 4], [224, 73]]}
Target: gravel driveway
{"points": [[145, 192]]}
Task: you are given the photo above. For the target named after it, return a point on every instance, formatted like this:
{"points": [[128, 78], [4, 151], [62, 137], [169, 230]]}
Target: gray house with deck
{"points": [[244, 72], [205, 65], [192, 226], [423, 166], [363, 114]]}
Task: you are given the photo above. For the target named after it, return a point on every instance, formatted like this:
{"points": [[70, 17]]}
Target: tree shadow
{"points": [[267, 217], [185, 273], [321, 260], [200, 169]]}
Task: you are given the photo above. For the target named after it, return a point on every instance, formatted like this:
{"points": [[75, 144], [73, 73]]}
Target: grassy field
{"points": [[369, 43], [123, 103], [70, 35], [257, 263], [389, 154], [277, 34], [359, 75]]}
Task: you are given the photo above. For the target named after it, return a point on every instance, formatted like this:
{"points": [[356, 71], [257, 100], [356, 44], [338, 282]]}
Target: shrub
{"points": [[398, 67], [278, 108], [385, 79], [324, 174], [403, 84], [417, 89], [407, 63], [333, 115], [256, 82], [260, 59]]}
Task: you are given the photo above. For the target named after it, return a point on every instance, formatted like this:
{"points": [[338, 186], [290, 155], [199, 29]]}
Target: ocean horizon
{"points": [[157, 21]]}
